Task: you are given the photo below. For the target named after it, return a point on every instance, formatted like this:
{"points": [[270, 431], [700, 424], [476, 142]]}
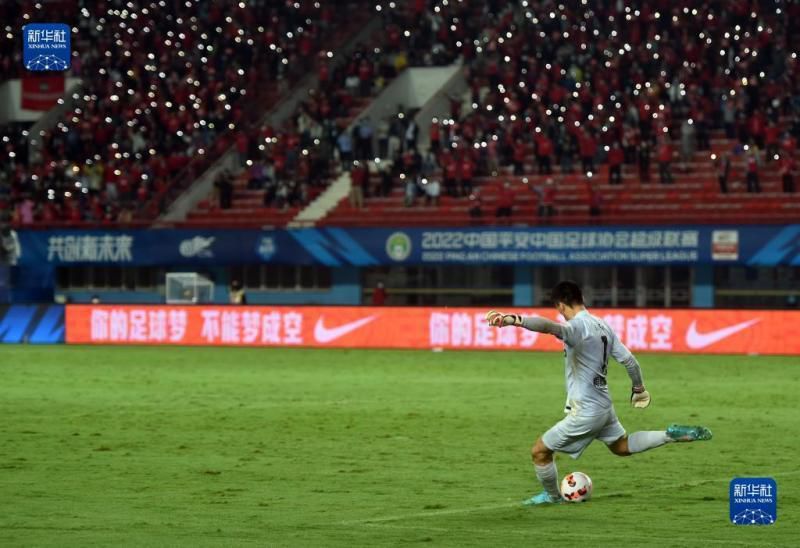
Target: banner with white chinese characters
{"points": [[657, 330], [752, 245]]}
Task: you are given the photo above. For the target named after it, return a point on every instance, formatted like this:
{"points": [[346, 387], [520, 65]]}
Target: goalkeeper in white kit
{"points": [[588, 343]]}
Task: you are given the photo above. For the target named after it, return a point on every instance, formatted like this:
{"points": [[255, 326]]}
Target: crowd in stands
{"points": [[317, 142], [581, 84], [162, 82], [586, 87]]}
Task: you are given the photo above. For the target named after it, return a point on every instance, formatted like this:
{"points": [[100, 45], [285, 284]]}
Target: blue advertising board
{"points": [[736, 245], [36, 324]]}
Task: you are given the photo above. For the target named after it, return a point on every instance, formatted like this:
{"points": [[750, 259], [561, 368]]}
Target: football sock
{"points": [[548, 477], [642, 441]]}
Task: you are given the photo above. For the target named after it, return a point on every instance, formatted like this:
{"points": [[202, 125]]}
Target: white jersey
{"points": [[588, 343]]}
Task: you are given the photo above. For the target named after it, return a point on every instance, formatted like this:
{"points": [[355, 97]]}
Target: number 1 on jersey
{"points": [[605, 354]]}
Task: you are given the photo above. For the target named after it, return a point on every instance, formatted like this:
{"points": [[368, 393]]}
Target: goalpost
{"points": [[188, 288]]}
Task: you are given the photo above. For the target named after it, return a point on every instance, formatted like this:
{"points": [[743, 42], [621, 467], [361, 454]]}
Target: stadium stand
{"points": [[167, 87], [661, 90], [298, 161], [691, 109]]}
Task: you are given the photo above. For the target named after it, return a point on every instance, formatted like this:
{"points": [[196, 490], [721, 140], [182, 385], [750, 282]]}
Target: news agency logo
{"points": [[753, 501], [46, 46]]}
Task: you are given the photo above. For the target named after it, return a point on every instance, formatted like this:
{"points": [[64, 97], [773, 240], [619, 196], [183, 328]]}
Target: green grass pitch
{"points": [[264, 447]]}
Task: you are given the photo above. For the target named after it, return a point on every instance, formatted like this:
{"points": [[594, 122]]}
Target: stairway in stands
{"points": [[248, 208], [694, 197]]}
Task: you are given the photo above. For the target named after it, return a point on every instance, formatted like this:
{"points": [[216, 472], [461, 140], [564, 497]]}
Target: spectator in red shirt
{"points": [[771, 139], [435, 135], [505, 202], [544, 154], [466, 172], [379, 295], [664, 161], [615, 158], [587, 146]]}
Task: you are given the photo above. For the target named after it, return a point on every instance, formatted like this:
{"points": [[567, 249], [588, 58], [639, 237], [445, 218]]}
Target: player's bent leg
{"points": [[620, 447], [540, 453], [547, 475]]}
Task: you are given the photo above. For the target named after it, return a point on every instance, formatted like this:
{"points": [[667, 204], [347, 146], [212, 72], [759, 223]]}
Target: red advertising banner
{"points": [[658, 330]]}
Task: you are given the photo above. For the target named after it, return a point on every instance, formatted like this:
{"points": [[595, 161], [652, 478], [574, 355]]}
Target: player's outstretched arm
{"points": [[533, 323]]}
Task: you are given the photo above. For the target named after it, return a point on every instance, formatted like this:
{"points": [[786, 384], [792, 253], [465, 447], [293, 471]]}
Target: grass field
{"points": [[247, 447]]}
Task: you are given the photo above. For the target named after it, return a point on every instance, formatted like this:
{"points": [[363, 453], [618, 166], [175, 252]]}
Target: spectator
{"points": [[432, 191], [466, 174], [236, 295], [25, 211], [344, 144], [787, 168], [411, 135], [772, 140], [664, 161], [520, 153], [753, 161], [451, 173], [382, 134], [505, 202], [723, 168], [615, 158], [566, 150], [358, 180], [224, 188], [687, 143], [258, 176], [242, 146], [644, 160], [364, 131], [547, 199], [595, 201], [544, 153], [410, 190], [476, 205], [379, 295], [385, 171], [435, 136], [588, 149]]}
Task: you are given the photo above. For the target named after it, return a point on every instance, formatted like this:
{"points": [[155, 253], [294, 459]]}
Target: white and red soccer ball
{"points": [[576, 487]]}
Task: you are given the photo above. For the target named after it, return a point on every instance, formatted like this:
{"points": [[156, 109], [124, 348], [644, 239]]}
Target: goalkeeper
{"points": [[588, 343]]}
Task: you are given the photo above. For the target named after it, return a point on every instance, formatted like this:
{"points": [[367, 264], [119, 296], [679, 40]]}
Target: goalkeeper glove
{"points": [[498, 319], [640, 398]]}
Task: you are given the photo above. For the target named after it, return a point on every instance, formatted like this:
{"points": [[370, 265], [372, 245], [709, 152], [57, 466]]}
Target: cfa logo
{"points": [[266, 248], [197, 247], [46, 46], [398, 246], [753, 501]]}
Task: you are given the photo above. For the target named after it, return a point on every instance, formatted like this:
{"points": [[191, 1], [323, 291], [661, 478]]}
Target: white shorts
{"points": [[573, 434]]}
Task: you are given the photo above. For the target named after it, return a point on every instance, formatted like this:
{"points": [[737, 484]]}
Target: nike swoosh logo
{"points": [[325, 334], [701, 340]]}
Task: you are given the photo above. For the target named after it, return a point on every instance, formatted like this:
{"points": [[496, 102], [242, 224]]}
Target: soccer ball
{"points": [[576, 487]]}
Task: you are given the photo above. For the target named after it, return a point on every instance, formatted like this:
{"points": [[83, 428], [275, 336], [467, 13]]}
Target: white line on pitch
{"points": [[455, 511]]}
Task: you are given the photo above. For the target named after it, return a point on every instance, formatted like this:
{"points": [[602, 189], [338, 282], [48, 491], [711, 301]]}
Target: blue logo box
{"points": [[753, 501], [46, 46]]}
